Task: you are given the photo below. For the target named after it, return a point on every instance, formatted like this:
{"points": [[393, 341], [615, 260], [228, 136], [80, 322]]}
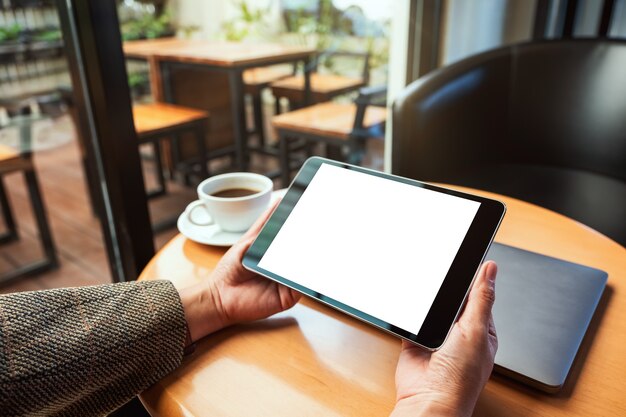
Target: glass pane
{"points": [[44, 120], [47, 210], [244, 61], [474, 27]]}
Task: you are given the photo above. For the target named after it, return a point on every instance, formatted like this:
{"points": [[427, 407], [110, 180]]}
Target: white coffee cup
{"points": [[231, 214]]}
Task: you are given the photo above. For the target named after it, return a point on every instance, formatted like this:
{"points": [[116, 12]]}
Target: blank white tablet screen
{"points": [[379, 246]]}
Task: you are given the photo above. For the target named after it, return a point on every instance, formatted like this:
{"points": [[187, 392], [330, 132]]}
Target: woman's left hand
{"points": [[232, 294]]}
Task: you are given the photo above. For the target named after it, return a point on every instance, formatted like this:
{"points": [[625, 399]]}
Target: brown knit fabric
{"points": [[86, 351]]}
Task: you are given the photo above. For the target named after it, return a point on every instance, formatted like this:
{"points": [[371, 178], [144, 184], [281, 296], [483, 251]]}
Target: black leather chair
{"points": [[544, 122]]}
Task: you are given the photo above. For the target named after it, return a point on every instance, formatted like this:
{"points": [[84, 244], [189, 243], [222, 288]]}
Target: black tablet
{"points": [[396, 253]]}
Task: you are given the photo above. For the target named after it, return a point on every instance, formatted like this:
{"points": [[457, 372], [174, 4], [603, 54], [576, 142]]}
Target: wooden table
{"points": [[165, 55], [314, 361]]}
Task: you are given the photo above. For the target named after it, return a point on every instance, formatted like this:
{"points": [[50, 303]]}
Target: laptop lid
{"points": [[542, 310]]}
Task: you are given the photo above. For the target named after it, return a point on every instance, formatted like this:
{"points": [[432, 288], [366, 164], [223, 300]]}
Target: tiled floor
{"points": [[76, 230]]}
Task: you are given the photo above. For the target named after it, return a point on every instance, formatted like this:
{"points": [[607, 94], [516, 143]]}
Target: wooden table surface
{"points": [[314, 361], [206, 52], [218, 53]]}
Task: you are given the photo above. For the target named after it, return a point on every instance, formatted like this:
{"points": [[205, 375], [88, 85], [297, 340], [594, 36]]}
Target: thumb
{"points": [[482, 296]]}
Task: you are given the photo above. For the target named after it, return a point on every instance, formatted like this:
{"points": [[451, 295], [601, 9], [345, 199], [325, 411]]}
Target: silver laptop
{"points": [[542, 311]]}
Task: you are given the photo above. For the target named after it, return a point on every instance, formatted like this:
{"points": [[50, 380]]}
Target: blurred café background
{"points": [[90, 190]]}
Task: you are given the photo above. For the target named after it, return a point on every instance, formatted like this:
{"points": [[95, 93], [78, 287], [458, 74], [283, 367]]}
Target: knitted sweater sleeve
{"points": [[86, 351]]}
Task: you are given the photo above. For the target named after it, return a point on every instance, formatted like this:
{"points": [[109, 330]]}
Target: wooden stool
{"points": [[331, 123], [324, 87], [158, 122], [255, 81], [11, 161]]}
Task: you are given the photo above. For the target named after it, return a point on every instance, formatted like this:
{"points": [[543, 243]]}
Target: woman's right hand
{"points": [[448, 382]]}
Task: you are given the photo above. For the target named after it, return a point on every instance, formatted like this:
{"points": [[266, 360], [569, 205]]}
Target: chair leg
{"points": [[355, 151], [161, 190], [285, 172], [174, 156], [41, 218], [11, 234], [204, 163], [257, 107], [333, 152], [277, 105], [50, 260]]}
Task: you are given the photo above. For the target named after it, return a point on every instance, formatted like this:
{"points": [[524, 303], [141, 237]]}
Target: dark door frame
{"points": [[425, 20], [97, 68]]}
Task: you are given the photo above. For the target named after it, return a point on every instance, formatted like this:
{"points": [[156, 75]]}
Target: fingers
{"points": [[414, 351], [288, 296], [406, 345], [482, 297]]}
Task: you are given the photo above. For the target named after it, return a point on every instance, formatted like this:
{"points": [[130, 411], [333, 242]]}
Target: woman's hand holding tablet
{"points": [[396, 253], [448, 382]]}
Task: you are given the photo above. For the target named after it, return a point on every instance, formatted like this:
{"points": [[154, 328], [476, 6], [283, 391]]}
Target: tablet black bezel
{"points": [[455, 287]]}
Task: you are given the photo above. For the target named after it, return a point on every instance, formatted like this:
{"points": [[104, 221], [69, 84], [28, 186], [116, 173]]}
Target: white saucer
{"points": [[212, 234]]}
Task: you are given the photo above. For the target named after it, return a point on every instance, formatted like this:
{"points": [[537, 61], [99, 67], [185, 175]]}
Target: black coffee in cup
{"points": [[234, 192]]}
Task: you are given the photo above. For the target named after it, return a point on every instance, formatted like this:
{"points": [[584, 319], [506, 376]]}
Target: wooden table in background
{"points": [[314, 361], [231, 58]]}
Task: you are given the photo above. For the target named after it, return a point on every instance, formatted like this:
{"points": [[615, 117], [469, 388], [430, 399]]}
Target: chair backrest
{"points": [[368, 96], [351, 60], [53, 104], [552, 103]]}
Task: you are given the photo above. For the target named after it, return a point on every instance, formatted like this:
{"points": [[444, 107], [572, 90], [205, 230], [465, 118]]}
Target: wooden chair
{"points": [[255, 81], [343, 125], [158, 122], [12, 161], [324, 86]]}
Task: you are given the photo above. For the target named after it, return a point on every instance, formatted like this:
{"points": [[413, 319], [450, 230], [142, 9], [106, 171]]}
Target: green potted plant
{"points": [[148, 26], [10, 33], [249, 22]]}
